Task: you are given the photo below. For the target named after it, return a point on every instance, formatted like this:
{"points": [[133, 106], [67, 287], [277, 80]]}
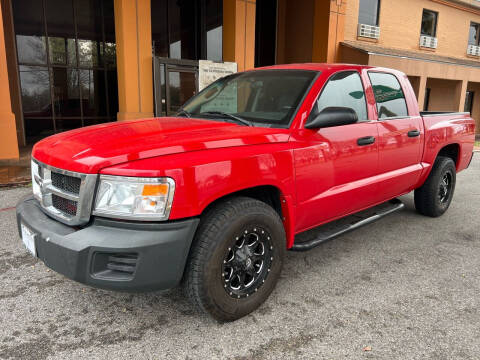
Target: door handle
{"points": [[413, 133], [367, 140]]}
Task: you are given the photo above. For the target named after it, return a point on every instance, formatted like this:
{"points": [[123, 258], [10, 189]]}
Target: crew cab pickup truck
{"points": [[212, 198]]}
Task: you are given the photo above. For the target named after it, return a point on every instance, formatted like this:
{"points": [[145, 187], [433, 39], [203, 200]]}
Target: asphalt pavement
{"points": [[405, 287]]}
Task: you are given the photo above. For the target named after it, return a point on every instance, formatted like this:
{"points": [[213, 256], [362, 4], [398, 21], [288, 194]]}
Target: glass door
{"points": [[175, 82]]}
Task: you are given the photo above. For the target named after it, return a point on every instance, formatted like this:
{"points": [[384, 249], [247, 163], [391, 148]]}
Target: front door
{"points": [[336, 166], [176, 81]]}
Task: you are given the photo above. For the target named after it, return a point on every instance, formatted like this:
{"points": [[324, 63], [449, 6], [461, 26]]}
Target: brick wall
{"points": [[400, 25]]}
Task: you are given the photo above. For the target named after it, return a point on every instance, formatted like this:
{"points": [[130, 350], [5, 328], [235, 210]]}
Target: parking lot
{"points": [[406, 287]]}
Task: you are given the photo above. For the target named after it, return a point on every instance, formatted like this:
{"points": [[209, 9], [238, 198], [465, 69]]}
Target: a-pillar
{"points": [[133, 33]]}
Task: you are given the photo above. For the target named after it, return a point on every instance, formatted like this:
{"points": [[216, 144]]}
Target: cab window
{"points": [[388, 95], [344, 89]]}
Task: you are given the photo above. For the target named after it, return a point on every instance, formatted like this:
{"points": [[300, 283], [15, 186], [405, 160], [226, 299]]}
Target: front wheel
{"points": [[434, 197], [236, 258]]}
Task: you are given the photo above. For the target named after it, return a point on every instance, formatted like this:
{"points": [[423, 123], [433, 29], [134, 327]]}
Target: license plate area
{"points": [[28, 238]]}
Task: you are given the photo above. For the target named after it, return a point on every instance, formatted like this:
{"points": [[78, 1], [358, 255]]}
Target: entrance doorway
{"points": [[175, 81]]}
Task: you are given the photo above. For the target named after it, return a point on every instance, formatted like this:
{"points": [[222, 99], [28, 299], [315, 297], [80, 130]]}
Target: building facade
{"points": [[65, 64]]}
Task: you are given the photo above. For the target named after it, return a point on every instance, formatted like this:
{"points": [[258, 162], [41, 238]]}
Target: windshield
{"points": [[260, 98]]}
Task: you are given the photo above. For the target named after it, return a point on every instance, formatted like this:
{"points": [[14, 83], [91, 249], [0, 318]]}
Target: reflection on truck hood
{"points": [[92, 148]]}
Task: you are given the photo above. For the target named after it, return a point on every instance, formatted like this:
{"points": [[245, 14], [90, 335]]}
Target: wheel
{"points": [[236, 258], [434, 197]]}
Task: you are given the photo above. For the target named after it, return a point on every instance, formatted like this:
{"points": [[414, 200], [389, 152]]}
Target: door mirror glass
{"points": [[333, 116]]}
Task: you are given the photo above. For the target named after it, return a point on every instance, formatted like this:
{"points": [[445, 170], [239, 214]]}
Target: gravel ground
{"points": [[406, 287]]}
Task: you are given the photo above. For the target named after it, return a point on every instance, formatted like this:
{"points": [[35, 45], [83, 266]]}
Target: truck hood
{"points": [[92, 148]]}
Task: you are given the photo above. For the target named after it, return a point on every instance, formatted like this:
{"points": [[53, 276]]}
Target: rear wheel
{"points": [[434, 197], [236, 258]]}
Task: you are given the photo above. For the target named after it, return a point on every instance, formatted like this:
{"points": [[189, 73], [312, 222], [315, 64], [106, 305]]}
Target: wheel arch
{"points": [[451, 151], [269, 194]]}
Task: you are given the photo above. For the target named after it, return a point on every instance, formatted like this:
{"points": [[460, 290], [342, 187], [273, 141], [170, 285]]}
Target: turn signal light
{"points": [[155, 189]]}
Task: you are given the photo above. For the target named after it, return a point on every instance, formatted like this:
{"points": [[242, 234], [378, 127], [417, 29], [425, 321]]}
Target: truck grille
{"points": [[64, 205], [64, 195], [66, 183]]}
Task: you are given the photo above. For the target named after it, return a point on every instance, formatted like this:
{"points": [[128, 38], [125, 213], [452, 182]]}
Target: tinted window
{"points": [[429, 23], [388, 95], [368, 12], [473, 38], [344, 89]]}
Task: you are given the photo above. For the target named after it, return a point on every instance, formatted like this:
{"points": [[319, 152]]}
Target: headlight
{"points": [[134, 198]]}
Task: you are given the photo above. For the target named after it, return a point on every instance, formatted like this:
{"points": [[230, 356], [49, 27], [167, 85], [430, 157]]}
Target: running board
{"points": [[389, 207]]}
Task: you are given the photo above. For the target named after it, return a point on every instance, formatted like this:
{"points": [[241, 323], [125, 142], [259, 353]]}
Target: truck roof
{"points": [[317, 66], [329, 68]]}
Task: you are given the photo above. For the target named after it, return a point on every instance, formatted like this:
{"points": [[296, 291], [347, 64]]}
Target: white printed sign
{"points": [[209, 71]]}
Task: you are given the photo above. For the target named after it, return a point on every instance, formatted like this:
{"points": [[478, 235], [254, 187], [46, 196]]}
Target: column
{"points": [[460, 93], [239, 33], [421, 93], [134, 59], [8, 129], [328, 29]]}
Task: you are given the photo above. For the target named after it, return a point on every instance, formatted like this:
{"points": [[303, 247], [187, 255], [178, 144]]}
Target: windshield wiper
{"points": [[227, 115], [183, 112]]}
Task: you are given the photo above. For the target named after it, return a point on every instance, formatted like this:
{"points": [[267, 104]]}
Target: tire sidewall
{"points": [[215, 292], [447, 166]]}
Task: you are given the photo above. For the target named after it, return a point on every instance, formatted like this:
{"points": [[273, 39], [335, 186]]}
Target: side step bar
{"points": [[393, 205]]}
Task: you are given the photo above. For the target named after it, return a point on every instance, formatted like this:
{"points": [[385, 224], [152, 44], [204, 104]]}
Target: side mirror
{"points": [[333, 116]]}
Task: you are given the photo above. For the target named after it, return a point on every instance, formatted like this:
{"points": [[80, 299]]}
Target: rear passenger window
{"points": [[344, 89], [388, 95]]}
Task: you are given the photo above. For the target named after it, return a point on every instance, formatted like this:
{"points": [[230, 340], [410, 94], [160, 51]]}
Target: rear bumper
{"points": [[111, 254]]}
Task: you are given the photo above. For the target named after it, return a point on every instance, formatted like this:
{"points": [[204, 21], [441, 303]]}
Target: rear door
{"points": [[400, 135], [335, 166]]}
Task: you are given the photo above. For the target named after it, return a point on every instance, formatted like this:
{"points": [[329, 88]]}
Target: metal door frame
{"points": [[179, 65]]}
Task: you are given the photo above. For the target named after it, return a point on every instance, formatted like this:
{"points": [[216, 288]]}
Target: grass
{"points": [[477, 143]]}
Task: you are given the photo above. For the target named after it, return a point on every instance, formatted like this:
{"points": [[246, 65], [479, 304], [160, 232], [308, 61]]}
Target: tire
{"points": [[209, 279], [434, 197]]}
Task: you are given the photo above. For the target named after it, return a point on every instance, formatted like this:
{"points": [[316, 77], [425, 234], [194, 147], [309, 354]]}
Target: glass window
{"points": [[36, 102], [187, 29], [344, 89], [473, 37], [267, 98], [214, 29], [35, 84], [29, 31], [160, 27], [429, 23], [61, 32], [388, 95], [92, 85], [181, 29], [469, 102], [66, 101], [369, 12], [79, 81]]}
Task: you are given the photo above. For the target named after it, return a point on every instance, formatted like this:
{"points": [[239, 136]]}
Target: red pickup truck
{"points": [[213, 197]]}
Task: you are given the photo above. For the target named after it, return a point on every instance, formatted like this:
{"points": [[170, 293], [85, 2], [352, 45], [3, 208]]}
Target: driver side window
{"points": [[344, 89]]}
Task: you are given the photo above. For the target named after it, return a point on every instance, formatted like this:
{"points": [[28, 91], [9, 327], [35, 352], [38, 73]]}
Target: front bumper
{"points": [[111, 254]]}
